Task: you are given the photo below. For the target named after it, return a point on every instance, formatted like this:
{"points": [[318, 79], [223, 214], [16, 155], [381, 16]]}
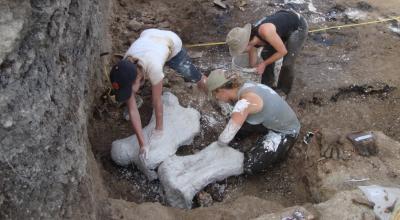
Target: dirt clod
{"points": [[203, 199], [364, 202], [380, 89]]}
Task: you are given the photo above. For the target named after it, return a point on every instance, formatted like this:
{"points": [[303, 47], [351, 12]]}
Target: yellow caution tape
{"points": [[355, 25], [310, 31], [204, 44]]}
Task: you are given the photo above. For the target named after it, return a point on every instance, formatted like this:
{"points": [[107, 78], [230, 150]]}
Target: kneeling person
{"points": [[258, 109]]}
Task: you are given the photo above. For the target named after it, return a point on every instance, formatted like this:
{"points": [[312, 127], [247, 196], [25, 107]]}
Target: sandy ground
{"points": [[323, 96]]}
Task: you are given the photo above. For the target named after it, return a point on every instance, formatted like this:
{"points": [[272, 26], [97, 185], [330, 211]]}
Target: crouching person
{"points": [[145, 59], [281, 36], [257, 109]]}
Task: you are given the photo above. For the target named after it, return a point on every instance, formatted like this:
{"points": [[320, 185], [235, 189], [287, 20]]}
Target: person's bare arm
{"points": [[249, 104], [252, 56], [158, 104], [201, 84], [268, 32], [135, 120]]}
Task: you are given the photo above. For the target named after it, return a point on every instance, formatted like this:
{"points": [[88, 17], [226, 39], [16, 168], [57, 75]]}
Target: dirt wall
{"points": [[50, 66]]}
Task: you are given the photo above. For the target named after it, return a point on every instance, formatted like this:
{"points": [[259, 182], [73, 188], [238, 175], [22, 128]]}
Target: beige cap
{"points": [[215, 80], [237, 39]]}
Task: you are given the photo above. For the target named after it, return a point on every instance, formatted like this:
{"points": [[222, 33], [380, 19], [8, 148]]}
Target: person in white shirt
{"points": [[145, 59]]}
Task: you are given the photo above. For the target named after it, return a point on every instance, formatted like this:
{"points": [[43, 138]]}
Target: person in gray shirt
{"points": [[258, 109]]}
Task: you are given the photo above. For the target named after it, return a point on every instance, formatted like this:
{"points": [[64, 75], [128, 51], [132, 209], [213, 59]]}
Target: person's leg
{"points": [[156, 91], [249, 129], [268, 77], [268, 150], [286, 145], [294, 45], [183, 65]]}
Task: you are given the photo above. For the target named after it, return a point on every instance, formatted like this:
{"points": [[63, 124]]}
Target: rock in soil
{"points": [[217, 191], [135, 25], [204, 199]]}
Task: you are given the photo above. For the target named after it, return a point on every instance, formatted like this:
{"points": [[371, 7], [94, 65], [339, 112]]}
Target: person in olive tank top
{"points": [[281, 36], [258, 110]]}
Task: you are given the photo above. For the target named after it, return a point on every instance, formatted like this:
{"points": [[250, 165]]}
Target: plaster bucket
{"points": [[240, 64]]}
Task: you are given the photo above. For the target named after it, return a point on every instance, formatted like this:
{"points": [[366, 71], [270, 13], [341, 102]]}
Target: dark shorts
{"points": [[183, 65]]}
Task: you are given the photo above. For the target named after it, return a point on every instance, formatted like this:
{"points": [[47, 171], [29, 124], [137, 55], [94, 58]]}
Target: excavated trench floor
{"points": [[336, 87], [283, 183]]}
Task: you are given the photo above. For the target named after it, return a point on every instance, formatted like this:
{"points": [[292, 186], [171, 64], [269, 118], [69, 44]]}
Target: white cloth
{"points": [[153, 48], [271, 141]]}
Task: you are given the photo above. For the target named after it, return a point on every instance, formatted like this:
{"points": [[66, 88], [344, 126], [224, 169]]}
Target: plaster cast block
{"points": [[180, 126], [183, 176]]}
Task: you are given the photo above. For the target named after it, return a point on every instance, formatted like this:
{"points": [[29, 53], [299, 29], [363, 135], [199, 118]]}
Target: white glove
{"points": [[228, 133]]}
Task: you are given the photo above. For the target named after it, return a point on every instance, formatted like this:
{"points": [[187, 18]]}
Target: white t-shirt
{"points": [[153, 48]]}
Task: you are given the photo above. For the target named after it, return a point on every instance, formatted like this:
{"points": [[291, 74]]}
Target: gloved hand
{"points": [[144, 153]]}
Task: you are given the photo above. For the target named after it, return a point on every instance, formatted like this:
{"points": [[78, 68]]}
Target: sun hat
{"points": [[122, 76], [215, 80], [237, 39]]}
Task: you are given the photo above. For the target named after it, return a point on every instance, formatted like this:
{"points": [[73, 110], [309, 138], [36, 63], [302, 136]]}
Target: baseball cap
{"points": [[237, 39], [122, 76]]}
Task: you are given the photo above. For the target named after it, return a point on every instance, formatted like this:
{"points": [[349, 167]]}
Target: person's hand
{"points": [[156, 134], [144, 153], [202, 83], [261, 67]]}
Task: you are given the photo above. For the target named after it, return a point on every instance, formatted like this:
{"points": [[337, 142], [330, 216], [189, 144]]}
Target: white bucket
{"points": [[241, 64]]}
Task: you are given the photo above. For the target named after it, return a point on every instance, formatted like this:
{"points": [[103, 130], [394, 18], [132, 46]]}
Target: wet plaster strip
{"points": [[181, 125], [183, 176]]}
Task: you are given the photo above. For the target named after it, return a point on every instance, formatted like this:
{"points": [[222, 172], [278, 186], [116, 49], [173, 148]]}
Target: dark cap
{"points": [[122, 76]]}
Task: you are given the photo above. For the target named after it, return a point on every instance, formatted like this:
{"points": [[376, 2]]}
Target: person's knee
{"points": [[188, 71], [286, 145], [251, 166], [257, 160], [194, 74]]}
